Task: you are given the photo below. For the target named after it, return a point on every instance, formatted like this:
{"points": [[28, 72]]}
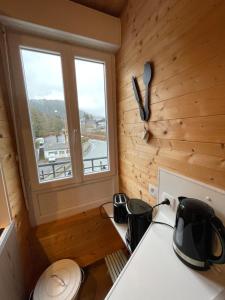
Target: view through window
{"points": [[90, 79], [46, 103]]}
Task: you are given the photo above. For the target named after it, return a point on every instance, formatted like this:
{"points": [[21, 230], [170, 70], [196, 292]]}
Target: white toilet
{"points": [[60, 281]]}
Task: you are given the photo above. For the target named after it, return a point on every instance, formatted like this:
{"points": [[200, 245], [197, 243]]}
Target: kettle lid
{"points": [[197, 206]]}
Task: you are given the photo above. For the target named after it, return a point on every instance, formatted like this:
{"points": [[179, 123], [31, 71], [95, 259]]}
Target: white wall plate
{"points": [[177, 185]]}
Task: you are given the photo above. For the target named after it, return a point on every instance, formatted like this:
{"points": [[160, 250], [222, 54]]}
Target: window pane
{"points": [[46, 103], [90, 77]]}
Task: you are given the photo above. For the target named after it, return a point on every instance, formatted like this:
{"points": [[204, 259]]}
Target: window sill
{"points": [[68, 183]]}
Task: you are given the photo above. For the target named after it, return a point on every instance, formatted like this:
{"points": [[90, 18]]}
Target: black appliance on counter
{"points": [[194, 234], [139, 219], [120, 208]]}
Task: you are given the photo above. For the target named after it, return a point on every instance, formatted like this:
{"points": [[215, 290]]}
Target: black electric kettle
{"points": [[193, 238]]}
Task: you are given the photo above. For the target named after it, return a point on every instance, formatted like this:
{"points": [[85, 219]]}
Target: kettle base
{"points": [[190, 262]]}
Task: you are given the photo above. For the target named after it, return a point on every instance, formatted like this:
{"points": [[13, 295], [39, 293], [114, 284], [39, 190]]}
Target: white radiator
{"points": [[115, 263]]}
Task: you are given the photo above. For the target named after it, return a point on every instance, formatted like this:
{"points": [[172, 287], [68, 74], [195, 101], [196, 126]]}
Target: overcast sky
{"points": [[44, 80]]}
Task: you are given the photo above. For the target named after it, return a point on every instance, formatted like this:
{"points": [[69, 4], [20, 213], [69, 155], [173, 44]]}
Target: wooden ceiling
{"points": [[110, 7]]}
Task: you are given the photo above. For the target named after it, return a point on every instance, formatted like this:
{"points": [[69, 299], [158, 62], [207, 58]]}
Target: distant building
{"points": [[101, 124], [59, 150], [90, 124]]}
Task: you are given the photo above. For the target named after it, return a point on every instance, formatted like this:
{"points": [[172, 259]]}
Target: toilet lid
{"points": [[60, 281]]}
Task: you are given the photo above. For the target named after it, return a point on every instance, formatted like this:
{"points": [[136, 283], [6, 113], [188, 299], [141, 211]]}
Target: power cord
{"points": [[162, 223], [101, 213], [165, 202]]}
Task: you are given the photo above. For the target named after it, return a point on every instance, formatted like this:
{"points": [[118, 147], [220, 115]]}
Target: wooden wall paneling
{"points": [[196, 76], [189, 167], [85, 237], [152, 34], [205, 129], [13, 184], [202, 103], [178, 61], [184, 41]]}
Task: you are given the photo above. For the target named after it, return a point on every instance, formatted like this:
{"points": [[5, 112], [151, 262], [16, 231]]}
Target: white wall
{"points": [[64, 16], [12, 281]]}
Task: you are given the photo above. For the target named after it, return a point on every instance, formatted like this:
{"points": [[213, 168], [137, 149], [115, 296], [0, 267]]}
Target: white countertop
{"points": [[155, 273]]}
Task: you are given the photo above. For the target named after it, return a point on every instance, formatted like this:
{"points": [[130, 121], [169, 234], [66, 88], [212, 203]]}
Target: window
{"points": [[90, 78], [63, 108], [46, 103], [66, 99]]}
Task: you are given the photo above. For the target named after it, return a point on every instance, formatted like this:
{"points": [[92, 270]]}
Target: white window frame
{"points": [[23, 127], [96, 56]]}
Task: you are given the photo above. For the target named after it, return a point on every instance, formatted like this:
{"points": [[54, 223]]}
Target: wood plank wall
{"points": [[13, 183], [185, 40], [85, 237]]}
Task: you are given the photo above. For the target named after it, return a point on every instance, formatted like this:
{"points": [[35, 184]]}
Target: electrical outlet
{"points": [[169, 211], [153, 190], [173, 201]]}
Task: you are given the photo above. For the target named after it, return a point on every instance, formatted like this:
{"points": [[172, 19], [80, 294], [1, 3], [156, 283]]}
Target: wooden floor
{"points": [[97, 282]]}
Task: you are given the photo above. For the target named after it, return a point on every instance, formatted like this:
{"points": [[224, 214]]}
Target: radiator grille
{"points": [[115, 263]]}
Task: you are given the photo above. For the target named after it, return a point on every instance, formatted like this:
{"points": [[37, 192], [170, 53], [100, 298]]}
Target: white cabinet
{"points": [[11, 278]]}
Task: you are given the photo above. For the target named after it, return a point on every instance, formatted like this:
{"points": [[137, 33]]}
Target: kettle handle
{"points": [[218, 227]]}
